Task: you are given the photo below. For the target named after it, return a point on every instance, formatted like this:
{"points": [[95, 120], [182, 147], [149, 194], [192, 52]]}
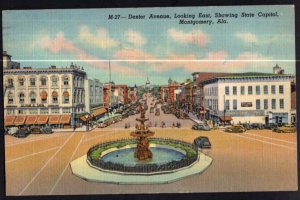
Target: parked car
{"points": [[257, 126], [201, 126], [13, 130], [271, 126], [23, 132], [246, 126], [47, 130], [285, 129], [235, 129], [36, 130], [202, 142]]}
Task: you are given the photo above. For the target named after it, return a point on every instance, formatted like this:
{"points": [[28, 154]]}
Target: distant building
{"points": [[249, 97], [278, 70], [54, 95], [8, 63]]}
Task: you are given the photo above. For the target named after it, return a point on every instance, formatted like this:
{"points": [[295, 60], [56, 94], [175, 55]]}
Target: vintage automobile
{"points": [[23, 132], [202, 142], [201, 126], [36, 130], [257, 126], [13, 130], [285, 129], [235, 129], [246, 126], [271, 126], [46, 130]]}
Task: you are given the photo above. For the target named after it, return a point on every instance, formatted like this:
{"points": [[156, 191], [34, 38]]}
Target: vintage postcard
{"points": [[150, 100]]}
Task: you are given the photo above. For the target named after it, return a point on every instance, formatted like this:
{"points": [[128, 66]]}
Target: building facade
{"points": [[45, 91], [94, 95], [249, 98]]}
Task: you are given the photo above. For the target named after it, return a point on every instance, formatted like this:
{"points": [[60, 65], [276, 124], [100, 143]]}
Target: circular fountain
{"points": [[142, 160]]}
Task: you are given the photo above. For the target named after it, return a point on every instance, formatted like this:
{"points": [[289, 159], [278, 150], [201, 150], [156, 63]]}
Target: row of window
{"points": [[257, 104], [257, 90], [43, 81], [35, 111]]}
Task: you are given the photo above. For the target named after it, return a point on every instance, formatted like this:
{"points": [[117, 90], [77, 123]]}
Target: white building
{"points": [[254, 98], [56, 95], [94, 95]]}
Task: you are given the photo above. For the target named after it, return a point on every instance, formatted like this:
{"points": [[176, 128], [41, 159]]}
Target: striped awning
{"points": [[20, 120], [83, 118], [9, 120], [65, 119], [54, 119], [99, 111], [31, 119], [227, 118], [42, 119]]}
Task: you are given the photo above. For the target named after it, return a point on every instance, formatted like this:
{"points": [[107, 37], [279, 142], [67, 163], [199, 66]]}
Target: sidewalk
{"points": [[80, 129]]}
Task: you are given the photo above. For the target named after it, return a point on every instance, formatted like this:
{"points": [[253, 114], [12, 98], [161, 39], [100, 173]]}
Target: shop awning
{"points": [[20, 120], [42, 119], [227, 118], [31, 119], [83, 118], [99, 111], [65, 119], [9, 120], [54, 119]]}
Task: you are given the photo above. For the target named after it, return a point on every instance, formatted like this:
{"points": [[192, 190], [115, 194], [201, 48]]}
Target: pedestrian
{"points": [[74, 128]]}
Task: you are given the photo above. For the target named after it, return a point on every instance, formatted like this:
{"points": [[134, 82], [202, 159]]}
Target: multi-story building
{"points": [[249, 97], [120, 94], [54, 95], [8, 63], [108, 94], [94, 98]]}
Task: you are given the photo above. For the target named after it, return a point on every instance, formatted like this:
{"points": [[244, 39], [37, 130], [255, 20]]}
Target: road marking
{"points": [[31, 140], [29, 155], [271, 138], [61, 175], [101, 136], [38, 173], [237, 135]]}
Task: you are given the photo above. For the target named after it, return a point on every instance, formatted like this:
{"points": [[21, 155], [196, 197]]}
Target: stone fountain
{"points": [[141, 133]]}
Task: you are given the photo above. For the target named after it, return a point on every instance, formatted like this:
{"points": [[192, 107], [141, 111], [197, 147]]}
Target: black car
{"points": [[257, 126], [23, 132], [271, 126], [246, 126], [203, 127], [47, 130], [202, 142]]}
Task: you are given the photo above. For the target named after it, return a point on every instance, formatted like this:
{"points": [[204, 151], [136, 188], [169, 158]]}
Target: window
{"points": [[21, 82], [66, 97], [10, 98], [44, 111], [66, 110], [227, 107], [44, 96], [54, 97], [249, 89], [66, 80], [22, 112], [281, 103], [10, 112], [227, 90], [265, 89], [280, 89], [32, 98], [234, 104], [257, 104], [21, 98], [33, 111], [32, 81], [265, 104], [273, 103], [242, 90], [234, 90], [55, 110], [273, 89], [10, 82], [43, 81], [257, 89], [54, 80]]}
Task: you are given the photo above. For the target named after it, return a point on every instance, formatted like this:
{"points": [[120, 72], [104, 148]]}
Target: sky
{"points": [[157, 48]]}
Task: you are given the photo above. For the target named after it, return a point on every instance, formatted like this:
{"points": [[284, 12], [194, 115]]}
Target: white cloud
{"points": [[196, 37], [135, 38], [247, 37]]}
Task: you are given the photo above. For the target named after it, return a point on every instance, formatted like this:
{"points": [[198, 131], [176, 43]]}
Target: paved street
{"points": [[253, 161]]}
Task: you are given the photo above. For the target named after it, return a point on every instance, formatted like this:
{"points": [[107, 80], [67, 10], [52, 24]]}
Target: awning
{"points": [[9, 120], [20, 120], [42, 119], [54, 119], [65, 119], [31, 119], [83, 118], [54, 94], [44, 95], [66, 94], [99, 111], [227, 118]]}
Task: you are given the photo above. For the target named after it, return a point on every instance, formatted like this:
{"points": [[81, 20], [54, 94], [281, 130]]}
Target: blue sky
{"points": [[157, 48]]}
